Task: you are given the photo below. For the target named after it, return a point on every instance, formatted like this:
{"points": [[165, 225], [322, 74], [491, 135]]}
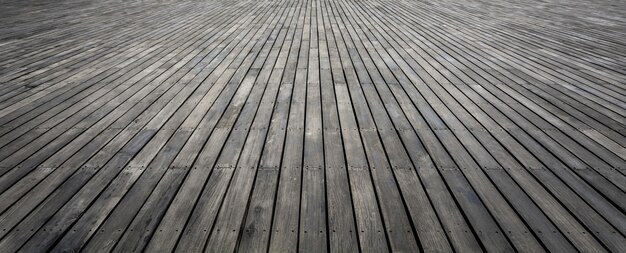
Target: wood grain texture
{"points": [[312, 126]]}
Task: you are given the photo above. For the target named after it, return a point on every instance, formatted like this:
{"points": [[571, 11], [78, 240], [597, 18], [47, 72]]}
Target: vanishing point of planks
{"points": [[312, 125]]}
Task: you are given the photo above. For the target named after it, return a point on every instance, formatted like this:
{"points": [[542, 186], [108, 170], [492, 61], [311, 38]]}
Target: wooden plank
{"points": [[313, 234]]}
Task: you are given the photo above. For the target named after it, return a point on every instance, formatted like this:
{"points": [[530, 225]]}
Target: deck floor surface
{"points": [[312, 125]]}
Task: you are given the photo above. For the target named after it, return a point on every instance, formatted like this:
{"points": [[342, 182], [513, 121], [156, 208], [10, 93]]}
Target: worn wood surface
{"points": [[312, 125]]}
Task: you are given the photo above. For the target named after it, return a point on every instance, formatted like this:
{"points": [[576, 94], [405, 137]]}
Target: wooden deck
{"points": [[313, 125]]}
